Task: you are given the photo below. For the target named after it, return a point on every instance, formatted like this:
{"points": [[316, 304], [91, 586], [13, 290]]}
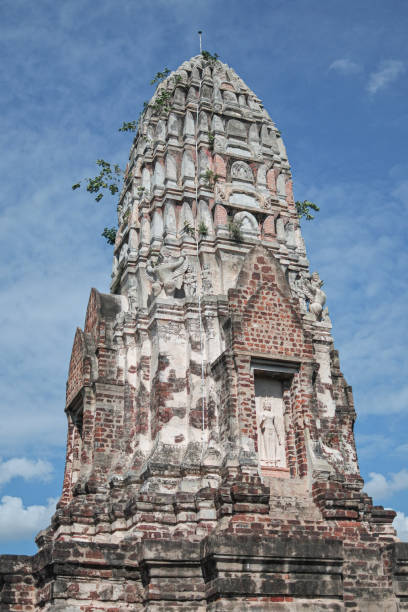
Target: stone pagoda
{"points": [[211, 461]]}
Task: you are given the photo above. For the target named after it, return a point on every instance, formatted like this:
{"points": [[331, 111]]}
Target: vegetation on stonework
{"points": [[303, 209], [189, 229], [110, 176], [211, 58], [202, 229], [211, 140], [109, 233], [234, 228], [210, 178]]}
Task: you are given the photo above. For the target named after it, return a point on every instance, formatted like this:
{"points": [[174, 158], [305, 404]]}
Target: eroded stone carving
{"points": [[317, 297], [220, 192], [167, 273], [308, 288], [190, 281], [241, 171], [206, 279], [271, 433], [170, 331]]}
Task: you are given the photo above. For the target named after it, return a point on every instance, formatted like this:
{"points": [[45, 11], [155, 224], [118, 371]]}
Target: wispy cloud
{"points": [[18, 522], [388, 71], [401, 525], [25, 468], [380, 488], [345, 66]]}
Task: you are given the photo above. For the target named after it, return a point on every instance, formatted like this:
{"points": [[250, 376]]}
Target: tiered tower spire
{"points": [[211, 461]]}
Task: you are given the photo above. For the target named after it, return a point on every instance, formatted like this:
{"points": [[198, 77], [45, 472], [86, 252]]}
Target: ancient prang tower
{"points": [[210, 462]]}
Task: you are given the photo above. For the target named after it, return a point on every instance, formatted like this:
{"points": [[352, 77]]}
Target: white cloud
{"points": [[401, 525], [345, 66], [381, 488], [388, 71], [20, 523], [24, 468]]}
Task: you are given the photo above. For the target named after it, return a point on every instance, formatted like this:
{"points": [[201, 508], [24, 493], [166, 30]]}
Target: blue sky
{"points": [[333, 76]]}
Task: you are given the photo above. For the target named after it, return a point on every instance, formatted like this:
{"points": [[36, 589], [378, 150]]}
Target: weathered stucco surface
{"points": [[210, 461]]}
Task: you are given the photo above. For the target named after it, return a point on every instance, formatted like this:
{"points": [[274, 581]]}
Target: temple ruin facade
{"points": [[211, 461]]}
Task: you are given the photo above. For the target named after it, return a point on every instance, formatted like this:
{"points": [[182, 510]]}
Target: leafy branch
{"points": [[160, 76], [162, 102], [211, 140], [210, 178], [202, 230], [209, 57], [303, 209], [234, 228], [129, 126], [110, 234], [109, 178]]}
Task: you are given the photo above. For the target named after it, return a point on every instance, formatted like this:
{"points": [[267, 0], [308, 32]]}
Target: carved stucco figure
{"points": [[308, 289], [271, 434], [167, 274], [206, 276], [241, 171], [317, 297], [190, 281]]}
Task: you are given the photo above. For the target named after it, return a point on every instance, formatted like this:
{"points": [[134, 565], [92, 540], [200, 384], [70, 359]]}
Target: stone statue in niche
{"points": [[240, 171], [316, 296], [206, 279], [297, 286], [309, 290], [167, 273], [265, 201], [220, 192], [190, 281], [271, 434], [133, 300]]}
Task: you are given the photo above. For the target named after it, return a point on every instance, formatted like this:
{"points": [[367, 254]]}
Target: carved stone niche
{"points": [[240, 171], [272, 380], [247, 223]]}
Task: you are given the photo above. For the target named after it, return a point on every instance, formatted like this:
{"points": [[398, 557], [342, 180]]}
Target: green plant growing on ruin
{"points": [[234, 228], [109, 233], [303, 209], [160, 76], [129, 126], [189, 229], [109, 178], [162, 102], [211, 140], [126, 216], [202, 229], [210, 178], [210, 57]]}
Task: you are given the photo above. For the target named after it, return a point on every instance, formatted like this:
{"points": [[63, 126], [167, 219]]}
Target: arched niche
{"points": [[280, 185], [204, 216], [186, 220], [171, 170], [158, 176], [169, 221], [248, 224], [156, 230]]}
